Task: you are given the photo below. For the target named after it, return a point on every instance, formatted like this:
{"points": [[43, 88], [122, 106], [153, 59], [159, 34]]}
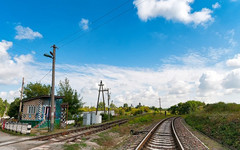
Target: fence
{"points": [[22, 128]]}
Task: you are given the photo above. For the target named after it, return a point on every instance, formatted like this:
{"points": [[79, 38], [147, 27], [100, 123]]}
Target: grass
{"points": [[104, 139], [75, 146], [71, 146], [113, 138], [224, 127]]}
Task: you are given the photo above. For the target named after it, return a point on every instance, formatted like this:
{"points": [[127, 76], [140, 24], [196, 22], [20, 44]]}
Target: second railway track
{"points": [[66, 136]]}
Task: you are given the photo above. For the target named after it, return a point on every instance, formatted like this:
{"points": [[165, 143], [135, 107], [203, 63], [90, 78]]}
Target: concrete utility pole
{"points": [[108, 104], [53, 56], [160, 105], [20, 106], [108, 93]]}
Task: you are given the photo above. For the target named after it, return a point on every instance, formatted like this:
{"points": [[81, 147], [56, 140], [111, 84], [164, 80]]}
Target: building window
{"points": [[31, 109]]}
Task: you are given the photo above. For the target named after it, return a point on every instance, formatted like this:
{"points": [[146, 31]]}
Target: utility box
{"points": [[86, 119], [91, 118], [98, 119]]}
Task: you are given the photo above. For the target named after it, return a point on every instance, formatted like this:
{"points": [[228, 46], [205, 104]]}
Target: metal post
{"points": [[20, 106], [103, 100], [108, 104], [160, 104], [53, 88], [99, 91]]}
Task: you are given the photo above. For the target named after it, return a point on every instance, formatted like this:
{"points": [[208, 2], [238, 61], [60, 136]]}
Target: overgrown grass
{"points": [[71, 146], [148, 118], [222, 126], [75, 146], [104, 139]]}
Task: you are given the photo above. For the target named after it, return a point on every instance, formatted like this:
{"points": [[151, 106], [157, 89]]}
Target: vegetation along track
{"points": [[72, 135], [170, 134]]}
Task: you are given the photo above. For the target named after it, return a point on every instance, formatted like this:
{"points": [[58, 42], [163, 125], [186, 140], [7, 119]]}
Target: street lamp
{"points": [[53, 57]]}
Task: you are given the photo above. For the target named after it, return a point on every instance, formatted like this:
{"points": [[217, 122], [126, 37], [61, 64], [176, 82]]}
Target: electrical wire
{"points": [[45, 75], [96, 20], [97, 27]]}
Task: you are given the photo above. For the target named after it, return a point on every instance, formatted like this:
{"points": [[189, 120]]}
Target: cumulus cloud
{"points": [[172, 82], [178, 87], [235, 62], [231, 81], [84, 24], [210, 82], [216, 5], [11, 68], [177, 10], [26, 33]]}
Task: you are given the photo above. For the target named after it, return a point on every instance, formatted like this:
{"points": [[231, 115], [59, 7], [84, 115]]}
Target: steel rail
{"points": [[47, 137], [176, 136], [152, 131]]}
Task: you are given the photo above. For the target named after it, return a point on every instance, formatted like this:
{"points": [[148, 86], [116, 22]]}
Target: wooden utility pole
{"points": [[21, 97], [99, 92], [53, 87]]}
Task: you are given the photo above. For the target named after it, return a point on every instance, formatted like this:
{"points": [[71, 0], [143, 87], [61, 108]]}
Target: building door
{"points": [[47, 113]]}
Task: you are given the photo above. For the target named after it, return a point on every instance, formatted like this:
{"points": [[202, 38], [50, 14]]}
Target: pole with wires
{"points": [[53, 56]]}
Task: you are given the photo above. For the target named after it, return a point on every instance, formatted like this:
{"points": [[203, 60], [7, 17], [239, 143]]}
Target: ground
{"points": [[118, 138]]}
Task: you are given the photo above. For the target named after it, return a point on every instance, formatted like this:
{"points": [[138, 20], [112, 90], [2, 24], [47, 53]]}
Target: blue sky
{"points": [[153, 50]]}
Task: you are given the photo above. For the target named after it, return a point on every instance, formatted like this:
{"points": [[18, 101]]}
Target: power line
{"points": [[111, 19], [45, 75], [96, 20]]}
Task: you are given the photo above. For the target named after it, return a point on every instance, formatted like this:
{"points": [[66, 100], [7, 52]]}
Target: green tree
{"points": [[112, 106], [3, 106], [36, 89], [186, 108], [14, 108], [71, 97], [125, 105], [101, 106]]}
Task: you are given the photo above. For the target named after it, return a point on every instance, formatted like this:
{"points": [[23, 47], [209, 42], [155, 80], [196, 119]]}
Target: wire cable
{"points": [[96, 20], [97, 27], [45, 75]]}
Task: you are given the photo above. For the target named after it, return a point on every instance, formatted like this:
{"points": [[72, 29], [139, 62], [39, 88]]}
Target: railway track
{"points": [[67, 136], [161, 136], [170, 134]]}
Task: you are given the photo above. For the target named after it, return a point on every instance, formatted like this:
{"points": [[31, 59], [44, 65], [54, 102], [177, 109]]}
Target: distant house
{"points": [[36, 110]]}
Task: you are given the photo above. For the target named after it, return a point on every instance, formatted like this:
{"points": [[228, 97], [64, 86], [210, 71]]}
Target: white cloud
{"points": [[177, 10], [26, 33], [11, 68], [230, 37], [232, 80], [84, 24], [216, 5], [235, 62], [210, 82], [190, 78]]}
